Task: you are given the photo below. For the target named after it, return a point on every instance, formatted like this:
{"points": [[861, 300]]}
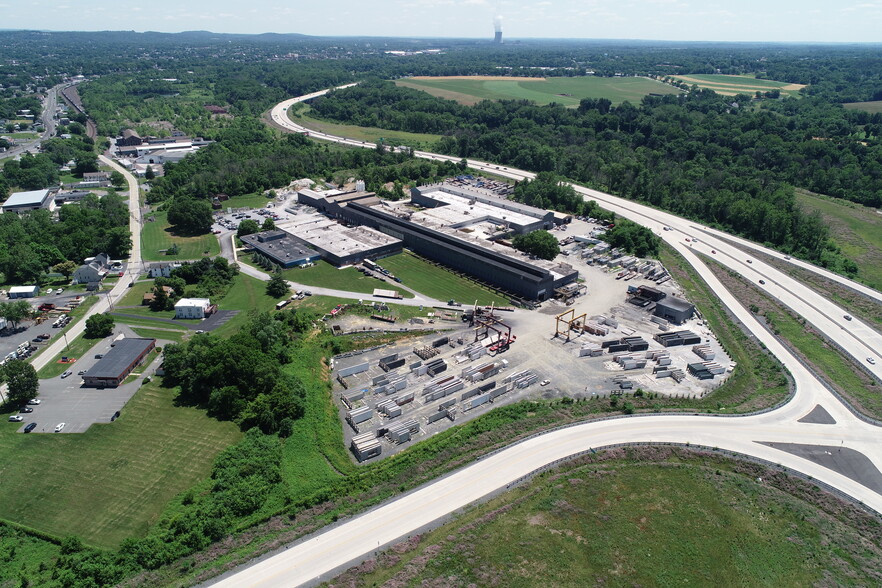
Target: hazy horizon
{"points": [[752, 21]]}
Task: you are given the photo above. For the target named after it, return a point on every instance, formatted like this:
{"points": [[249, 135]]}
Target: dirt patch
{"points": [[480, 78]]}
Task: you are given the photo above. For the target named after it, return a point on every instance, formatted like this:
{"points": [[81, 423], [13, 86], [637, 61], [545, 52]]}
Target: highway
{"points": [[48, 116], [133, 270], [846, 441]]}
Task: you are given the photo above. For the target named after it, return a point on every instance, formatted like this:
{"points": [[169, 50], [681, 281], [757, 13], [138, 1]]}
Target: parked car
{"points": [[30, 427], [59, 291], [544, 382], [26, 409], [59, 427], [34, 401], [81, 372], [66, 374], [871, 360], [99, 355], [762, 282], [847, 317], [15, 418]]}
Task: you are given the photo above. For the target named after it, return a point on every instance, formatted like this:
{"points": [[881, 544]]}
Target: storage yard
{"points": [[597, 345]]}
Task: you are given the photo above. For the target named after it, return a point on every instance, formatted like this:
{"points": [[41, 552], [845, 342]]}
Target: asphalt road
{"points": [[771, 435], [133, 270]]}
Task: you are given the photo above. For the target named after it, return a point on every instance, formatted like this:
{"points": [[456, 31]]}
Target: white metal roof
{"points": [[32, 198], [193, 302]]}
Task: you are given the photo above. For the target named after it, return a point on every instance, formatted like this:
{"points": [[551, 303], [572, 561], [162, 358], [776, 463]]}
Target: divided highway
{"points": [[320, 556]]}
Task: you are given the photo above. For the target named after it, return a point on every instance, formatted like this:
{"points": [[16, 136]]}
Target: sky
{"points": [[676, 20]]}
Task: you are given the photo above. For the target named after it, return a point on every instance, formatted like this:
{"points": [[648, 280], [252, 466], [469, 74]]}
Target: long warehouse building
{"points": [[119, 362], [487, 262]]}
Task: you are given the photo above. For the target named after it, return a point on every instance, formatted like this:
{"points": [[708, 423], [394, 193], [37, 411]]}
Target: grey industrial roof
{"points": [[675, 303], [288, 249], [32, 198], [119, 358]]}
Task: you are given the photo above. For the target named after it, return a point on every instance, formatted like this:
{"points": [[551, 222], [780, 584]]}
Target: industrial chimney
{"points": [[497, 27]]}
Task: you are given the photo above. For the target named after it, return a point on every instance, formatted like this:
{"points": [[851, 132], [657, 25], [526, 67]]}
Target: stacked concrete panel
{"points": [[441, 387], [481, 372], [365, 446], [595, 329], [402, 432], [437, 416], [360, 415], [350, 399], [389, 408], [677, 338], [521, 379], [590, 350], [476, 402], [704, 352]]}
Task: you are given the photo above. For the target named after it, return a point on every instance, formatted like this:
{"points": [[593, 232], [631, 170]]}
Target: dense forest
{"points": [[726, 161], [250, 158]]}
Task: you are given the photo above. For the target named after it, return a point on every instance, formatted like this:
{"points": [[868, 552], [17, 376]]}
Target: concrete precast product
{"points": [[441, 342], [404, 399], [415, 365], [663, 374], [497, 392], [437, 369], [360, 415], [476, 402], [393, 411], [469, 394], [380, 390], [391, 365], [352, 370], [446, 404], [388, 358], [437, 416]]}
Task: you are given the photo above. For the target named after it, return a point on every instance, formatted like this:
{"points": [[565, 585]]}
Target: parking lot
{"points": [[229, 221], [29, 330], [66, 400]]}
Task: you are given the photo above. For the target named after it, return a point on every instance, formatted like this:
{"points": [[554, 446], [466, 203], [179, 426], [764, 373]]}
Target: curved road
{"points": [[320, 556]]}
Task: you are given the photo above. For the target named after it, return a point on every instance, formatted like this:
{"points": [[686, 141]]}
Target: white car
{"points": [[15, 418], [59, 427], [544, 382], [34, 401], [59, 291], [871, 360]]}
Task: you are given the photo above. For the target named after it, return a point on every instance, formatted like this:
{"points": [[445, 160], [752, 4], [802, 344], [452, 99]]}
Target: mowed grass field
{"points": [[632, 524], [157, 235], [367, 134], [871, 107], [112, 481], [566, 91], [856, 229], [438, 282], [732, 85]]}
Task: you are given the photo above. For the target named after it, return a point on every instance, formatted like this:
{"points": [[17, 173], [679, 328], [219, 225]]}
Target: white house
{"points": [[93, 270], [192, 308], [163, 268]]}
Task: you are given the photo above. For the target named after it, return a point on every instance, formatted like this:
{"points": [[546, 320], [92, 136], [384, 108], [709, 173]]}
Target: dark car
{"points": [[762, 282], [30, 427], [26, 409]]}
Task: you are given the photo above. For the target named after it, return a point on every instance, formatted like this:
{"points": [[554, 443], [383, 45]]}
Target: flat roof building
{"points": [[119, 362], [283, 249], [674, 309], [339, 244], [193, 308], [24, 291], [33, 200]]}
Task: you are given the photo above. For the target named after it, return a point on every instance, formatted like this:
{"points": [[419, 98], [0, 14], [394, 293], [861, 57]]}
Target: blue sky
{"points": [[686, 20]]}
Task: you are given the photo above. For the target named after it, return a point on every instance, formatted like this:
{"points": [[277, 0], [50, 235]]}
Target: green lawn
{"points": [[368, 134], [135, 294], [175, 335], [328, 276], [111, 482], [157, 235], [247, 201], [438, 282], [244, 295], [566, 91], [77, 347], [731, 85], [872, 107], [856, 229], [678, 522]]}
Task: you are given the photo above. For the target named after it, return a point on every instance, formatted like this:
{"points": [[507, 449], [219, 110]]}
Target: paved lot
{"points": [[68, 401], [10, 340]]}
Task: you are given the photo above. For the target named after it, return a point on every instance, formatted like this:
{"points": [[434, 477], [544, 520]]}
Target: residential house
{"points": [[162, 269], [193, 308], [93, 270]]}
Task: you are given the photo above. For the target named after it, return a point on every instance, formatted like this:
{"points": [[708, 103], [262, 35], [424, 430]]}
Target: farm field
{"points": [[112, 481], [566, 91], [856, 229], [871, 107], [732, 85], [367, 134], [676, 519], [157, 235], [438, 282]]}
